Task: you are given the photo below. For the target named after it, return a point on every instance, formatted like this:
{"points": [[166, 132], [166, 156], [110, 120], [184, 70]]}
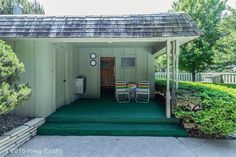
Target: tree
{"points": [[12, 93], [197, 55], [161, 63], [28, 7], [225, 47]]}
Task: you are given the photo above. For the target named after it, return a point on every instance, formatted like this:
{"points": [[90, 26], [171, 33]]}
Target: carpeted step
{"points": [[108, 129], [111, 119]]}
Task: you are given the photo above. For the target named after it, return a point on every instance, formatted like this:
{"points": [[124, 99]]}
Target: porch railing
{"points": [[225, 78], [229, 78]]}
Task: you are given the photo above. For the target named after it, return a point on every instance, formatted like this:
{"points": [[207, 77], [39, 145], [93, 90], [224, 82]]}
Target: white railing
{"points": [[203, 77], [229, 78]]}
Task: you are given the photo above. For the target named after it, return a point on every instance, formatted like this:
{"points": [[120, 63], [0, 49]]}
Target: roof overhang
{"points": [[158, 45], [182, 40]]}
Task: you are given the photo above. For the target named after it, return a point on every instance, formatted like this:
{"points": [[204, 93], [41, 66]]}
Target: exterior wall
{"points": [[39, 60], [144, 69]]}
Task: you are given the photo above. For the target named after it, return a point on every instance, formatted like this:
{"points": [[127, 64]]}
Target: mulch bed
{"points": [[11, 121], [197, 134]]}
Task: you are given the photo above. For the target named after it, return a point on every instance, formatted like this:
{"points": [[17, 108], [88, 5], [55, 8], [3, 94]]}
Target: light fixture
{"points": [[93, 55], [93, 62]]}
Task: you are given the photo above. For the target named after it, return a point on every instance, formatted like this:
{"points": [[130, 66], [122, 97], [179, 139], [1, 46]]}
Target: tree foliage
{"points": [[12, 93], [225, 47], [29, 7], [161, 63], [197, 55]]}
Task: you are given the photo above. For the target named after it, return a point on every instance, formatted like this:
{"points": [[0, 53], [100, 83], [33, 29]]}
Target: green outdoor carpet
{"points": [[108, 110], [107, 117], [107, 129]]}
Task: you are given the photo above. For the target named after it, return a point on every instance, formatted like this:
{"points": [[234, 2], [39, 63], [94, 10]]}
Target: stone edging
{"points": [[13, 139]]}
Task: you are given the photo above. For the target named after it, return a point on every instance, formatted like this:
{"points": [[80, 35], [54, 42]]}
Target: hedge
{"points": [[211, 108], [228, 85]]}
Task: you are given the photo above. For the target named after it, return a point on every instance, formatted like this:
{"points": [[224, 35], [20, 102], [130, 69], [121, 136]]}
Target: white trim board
{"points": [[108, 40]]}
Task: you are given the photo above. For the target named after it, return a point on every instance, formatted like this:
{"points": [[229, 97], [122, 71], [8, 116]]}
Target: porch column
{"points": [[175, 72], [168, 97], [173, 79], [177, 47]]}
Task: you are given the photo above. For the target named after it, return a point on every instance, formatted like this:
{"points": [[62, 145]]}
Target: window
{"points": [[105, 64], [128, 61]]}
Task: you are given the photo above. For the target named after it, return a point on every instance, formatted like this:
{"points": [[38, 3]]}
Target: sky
{"points": [[108, 7]]}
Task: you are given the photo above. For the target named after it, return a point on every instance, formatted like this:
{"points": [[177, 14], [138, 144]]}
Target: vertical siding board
{"points": [[151, 72], [31, 76], [117, 52], [141, 71], [83, 62], [94, 73], [25, 52], [121, 70], [130, 72], [99, 54], [88, 72], [72, 73], [43, 79], [142, 64], [107, 52], [53, 72]]}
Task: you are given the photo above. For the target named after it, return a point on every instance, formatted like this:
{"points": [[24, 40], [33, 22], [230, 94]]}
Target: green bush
{"points": [[12, 93], [227, 85], [212, 108]]}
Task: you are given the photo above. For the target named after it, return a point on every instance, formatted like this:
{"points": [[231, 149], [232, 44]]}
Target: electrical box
{"points": [[80, 85]]}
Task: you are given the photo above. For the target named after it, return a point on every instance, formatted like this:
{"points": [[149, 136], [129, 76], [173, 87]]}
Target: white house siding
{"points": [[144, 69], [38, 57], [37, 60]]}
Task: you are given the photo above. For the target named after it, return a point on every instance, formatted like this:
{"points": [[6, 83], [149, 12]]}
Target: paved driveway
{"points": [[92, 146]]}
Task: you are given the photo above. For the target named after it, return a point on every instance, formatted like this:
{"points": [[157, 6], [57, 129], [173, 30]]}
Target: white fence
{"points": [[203, 77]]}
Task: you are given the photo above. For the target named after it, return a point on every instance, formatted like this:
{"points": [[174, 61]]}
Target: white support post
{"points": [[177, 48], [168, 97], [173, 91]]}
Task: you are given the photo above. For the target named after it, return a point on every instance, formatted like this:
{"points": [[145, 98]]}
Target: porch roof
{"points": [[128, 26]]}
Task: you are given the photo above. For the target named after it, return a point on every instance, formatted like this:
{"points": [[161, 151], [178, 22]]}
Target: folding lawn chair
{"points": [[143, 92], [122, 92]]}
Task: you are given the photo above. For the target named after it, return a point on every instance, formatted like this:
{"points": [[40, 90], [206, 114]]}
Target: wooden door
{"points": [[107, 73]]}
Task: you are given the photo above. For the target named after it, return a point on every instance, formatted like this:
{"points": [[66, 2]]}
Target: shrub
{"points": [[12, 93], [227, 85], [212, 108]]}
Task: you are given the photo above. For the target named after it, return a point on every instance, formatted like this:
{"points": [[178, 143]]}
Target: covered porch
{"points": [[107, 117], [143, 51]]}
